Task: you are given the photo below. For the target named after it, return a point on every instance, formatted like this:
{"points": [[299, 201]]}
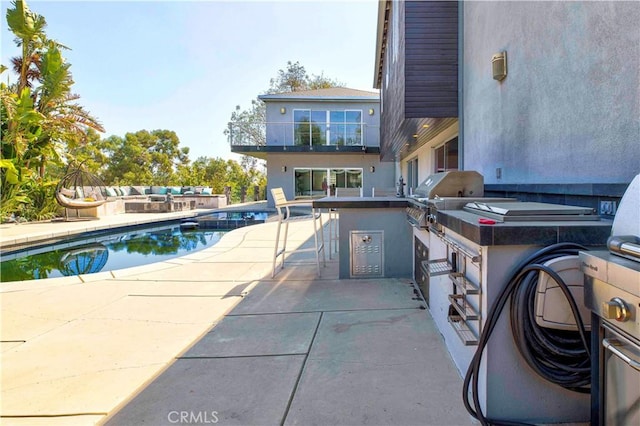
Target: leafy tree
{"points": [[91, 152], [166, 155], [209, 172], [248, 127], [322, 82], [39, 113], [295, 78], [127, 160], [144, 158]]}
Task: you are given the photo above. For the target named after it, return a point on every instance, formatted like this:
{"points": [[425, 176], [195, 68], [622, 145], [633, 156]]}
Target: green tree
{"points": [[322, 82], [295, 78], [127, 161], [248, 127], [145, 158], [39, 113], [166, 156], [91, 152]]}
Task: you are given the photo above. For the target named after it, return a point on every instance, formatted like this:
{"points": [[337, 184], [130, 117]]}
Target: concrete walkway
{"points": [[211, 338]]}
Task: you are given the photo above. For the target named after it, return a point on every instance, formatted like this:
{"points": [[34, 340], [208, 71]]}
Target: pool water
{"points": [[106, 253], [237, 215]]}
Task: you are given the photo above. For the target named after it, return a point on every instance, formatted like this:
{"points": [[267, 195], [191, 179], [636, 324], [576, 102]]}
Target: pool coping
{"points": [[187, 258], [12, 236], [126, 281]]}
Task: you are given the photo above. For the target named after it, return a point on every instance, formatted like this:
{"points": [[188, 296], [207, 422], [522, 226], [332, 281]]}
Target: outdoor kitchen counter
{"points": [[470, 268], [360, 202], [539, 233], [373, 236]]}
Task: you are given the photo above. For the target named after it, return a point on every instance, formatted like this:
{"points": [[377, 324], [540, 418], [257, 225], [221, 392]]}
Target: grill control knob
{"points": [[616, 309]]}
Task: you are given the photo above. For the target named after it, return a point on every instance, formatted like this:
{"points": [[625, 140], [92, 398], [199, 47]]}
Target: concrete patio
{"points": [[211, 338]]}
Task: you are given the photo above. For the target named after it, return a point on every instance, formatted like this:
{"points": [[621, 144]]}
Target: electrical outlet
{"points": [[608, 208]]}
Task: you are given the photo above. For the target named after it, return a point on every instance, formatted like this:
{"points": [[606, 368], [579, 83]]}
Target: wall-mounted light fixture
{"points": [[371, 111], [372, 169], [283, 110], [284, 169], [499, 66]]}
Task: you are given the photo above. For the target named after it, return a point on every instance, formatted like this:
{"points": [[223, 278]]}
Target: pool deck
{"points": [[212, 338]]}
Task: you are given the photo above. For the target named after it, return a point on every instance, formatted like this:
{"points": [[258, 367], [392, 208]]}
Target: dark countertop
{"points": [[360, 203], [588, 233]]}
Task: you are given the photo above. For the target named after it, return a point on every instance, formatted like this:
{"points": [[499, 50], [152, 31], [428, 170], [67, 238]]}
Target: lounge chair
{"points": [[79, 189]]}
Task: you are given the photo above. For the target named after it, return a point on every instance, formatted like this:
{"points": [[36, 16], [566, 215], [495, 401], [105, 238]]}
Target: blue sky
{"points": [[185, 65]]}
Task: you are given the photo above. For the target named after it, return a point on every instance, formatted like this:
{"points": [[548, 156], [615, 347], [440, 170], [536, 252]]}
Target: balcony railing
{"points": [[295, 134]]}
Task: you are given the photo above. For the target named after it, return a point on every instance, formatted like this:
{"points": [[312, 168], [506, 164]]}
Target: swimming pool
{"points": [[232, 219], [111, 252]]}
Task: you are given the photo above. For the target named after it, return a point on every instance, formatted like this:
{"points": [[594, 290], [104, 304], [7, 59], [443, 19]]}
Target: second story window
{"points": [[321, 127], [346, 128], [309, 127]]}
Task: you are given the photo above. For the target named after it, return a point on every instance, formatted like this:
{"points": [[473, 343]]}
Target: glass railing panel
{"points": [[302, 134]]}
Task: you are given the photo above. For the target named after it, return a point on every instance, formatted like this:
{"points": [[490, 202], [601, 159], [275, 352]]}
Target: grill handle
{"points": [[625, 244], [611, 345]]}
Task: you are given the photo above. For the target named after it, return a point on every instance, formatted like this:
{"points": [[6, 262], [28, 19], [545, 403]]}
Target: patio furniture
{"points": [[79, 189], [285, 217], [383, 192], [333, 216]]}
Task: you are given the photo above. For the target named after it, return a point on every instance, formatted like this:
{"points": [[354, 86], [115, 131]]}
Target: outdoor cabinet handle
{"points": [[611, 346]]}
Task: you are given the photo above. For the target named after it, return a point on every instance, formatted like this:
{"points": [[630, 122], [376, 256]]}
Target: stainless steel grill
{"points": [[445, 191], [612, 293], [455, 183]]}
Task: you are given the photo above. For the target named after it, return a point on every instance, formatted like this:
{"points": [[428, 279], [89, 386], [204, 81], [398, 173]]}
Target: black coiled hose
{"points": [[561, 357]]}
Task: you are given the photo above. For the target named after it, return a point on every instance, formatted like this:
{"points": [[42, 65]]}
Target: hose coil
{"points": [[559, 356]]}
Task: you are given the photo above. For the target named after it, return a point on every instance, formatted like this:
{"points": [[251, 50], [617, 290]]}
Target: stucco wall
{"points": [[383, 176], [568, 110]]}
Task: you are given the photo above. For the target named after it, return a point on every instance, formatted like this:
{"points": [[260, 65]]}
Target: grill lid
{"points": [[454, 183], [530, 211], [626, 220]]}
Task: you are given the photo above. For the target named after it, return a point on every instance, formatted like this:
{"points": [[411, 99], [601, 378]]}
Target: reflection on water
{"points": [[258, 216], [85, 260], [108, 253]]}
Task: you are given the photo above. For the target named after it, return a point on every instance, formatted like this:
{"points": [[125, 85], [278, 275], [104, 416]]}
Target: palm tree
{"points": [[39, 113]]}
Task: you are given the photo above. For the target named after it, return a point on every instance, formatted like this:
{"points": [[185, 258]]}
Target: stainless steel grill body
{"points": [[444, 191], [612, 293]]}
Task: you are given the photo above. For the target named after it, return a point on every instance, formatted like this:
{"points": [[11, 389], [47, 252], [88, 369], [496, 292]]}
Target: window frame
{"points": [[444, 155], [330, 177], [412, 174], [326, 135]]}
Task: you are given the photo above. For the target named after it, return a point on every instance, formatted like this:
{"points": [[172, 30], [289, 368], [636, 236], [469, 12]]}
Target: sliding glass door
{"points": [[315, 182], [310, 182]]}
